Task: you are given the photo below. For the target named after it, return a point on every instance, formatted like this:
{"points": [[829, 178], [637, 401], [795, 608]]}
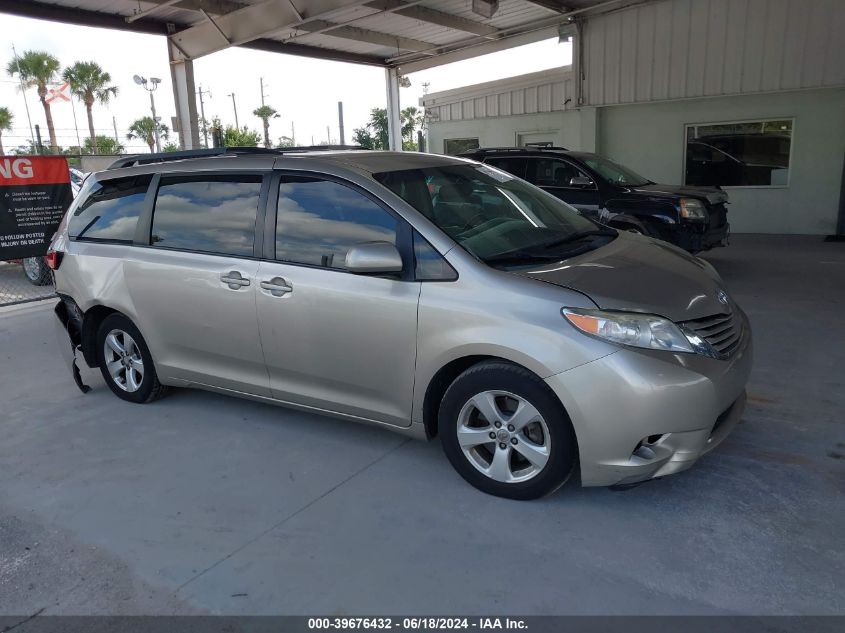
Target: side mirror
{"points": [[373, 257], [580, 181]]}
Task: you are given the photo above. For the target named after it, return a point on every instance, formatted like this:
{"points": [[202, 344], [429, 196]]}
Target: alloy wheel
{"points": [[123, 360], [504, 436]]}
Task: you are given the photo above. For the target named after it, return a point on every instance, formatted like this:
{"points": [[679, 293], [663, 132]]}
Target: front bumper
{"points": [[639, 414], [695, 238]]}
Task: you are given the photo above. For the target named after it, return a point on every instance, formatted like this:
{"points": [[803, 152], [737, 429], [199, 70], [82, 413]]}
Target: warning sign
{"points": [[35, 192]]}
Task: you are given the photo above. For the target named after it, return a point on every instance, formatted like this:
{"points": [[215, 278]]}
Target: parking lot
{"points": [[204, 504]]}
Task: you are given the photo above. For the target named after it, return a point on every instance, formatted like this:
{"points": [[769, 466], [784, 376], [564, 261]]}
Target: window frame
{"points": [[143, 236], [561, 159], [141, 215], [404, 230], [790, 118]]}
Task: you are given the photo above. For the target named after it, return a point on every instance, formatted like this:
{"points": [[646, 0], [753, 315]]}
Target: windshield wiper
{"points": [[575, 237]]}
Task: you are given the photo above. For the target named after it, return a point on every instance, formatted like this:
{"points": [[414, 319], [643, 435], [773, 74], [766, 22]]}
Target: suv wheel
{"points": [[36, 271], [125, 361], [505, 432]]}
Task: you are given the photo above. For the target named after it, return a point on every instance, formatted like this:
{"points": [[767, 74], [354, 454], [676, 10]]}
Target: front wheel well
{"points": [[443, 379]]}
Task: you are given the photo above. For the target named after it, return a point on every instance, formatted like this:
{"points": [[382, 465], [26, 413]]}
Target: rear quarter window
{"points": [[110, 212]]}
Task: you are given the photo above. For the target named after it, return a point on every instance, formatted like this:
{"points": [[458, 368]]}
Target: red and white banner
{"points": [[34, 195]]}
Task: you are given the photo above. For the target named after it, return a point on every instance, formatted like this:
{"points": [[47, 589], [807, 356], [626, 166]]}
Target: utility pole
{"points": [[235, 106], [292, 134], [328, 136], [261, 79], [114, 123], [340, 121], [202, 114]]}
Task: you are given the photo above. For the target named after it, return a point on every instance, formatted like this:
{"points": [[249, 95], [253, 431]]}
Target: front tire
{"points": [[505, 432], [125, 361]]}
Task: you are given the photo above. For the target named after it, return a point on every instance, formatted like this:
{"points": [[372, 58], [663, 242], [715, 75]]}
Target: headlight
{"points": [[692, 209], [630, 328]]}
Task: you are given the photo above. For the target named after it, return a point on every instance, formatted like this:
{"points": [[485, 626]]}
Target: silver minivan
{"points": [[426, 294]]}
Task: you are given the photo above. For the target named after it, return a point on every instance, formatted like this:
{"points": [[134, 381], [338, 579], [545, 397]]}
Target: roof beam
{"points": [[552, 5], [252, 22], [365, 35], [424, 14]]}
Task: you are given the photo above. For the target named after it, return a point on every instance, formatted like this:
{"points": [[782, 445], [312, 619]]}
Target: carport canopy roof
{"points": [[405, 34]]}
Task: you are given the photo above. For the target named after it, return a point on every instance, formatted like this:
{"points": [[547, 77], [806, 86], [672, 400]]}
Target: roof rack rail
{"points": [[529, 146], [163, 157]]}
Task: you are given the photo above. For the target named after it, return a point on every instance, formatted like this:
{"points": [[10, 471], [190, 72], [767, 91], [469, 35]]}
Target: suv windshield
{"points": [[614, 173], [498, 218]]}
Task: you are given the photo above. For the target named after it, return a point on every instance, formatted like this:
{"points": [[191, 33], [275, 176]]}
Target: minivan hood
{"points": [[639, 274], [711, 194]]}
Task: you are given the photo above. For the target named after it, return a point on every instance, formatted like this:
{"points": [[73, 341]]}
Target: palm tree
{"points": [[145, 129], [265, 113], [37, 69], [90, 83], [6, 117]]}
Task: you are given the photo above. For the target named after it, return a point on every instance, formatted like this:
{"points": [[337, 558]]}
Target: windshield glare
{"points": [[614, 173], [487, 211]]}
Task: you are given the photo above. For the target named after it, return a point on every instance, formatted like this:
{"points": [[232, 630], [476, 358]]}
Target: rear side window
{"points": [[209, 214], [319, 220], [110, 213], [511, 164]]}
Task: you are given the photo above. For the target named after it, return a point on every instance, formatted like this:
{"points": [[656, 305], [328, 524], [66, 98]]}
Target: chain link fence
{"points": [[25, 280]]}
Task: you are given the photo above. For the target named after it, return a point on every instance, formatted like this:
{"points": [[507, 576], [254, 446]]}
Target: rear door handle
{"points": [[234, 280], [277, 286]]}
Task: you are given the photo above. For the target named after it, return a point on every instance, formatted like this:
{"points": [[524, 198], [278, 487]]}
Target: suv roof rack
{"points": [[485, 150], [164, 157]]}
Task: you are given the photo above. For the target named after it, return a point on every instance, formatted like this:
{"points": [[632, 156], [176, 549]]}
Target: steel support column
{"points": [[185, 98], [394, 120]]}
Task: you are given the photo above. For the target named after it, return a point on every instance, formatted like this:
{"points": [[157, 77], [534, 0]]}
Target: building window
{"points": [[746, 154], [453, 146]]}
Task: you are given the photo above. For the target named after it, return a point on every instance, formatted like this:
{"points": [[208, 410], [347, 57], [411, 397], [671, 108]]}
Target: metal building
{"points": [[747, 94]]}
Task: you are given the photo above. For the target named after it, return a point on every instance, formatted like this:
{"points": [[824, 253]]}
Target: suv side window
{"points": [[210, 214], [319, 220], [552, 172], [110, 213], [512, 164]]}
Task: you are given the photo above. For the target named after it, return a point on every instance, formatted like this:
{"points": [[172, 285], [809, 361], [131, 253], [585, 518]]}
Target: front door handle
{"points": [[277, 286], [234, 280]]}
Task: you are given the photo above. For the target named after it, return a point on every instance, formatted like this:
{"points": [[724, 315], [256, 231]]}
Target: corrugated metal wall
{"points": [[546, 91], [677, 49]]}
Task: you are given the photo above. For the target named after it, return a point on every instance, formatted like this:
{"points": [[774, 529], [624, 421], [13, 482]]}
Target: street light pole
{"points": [[235, 106], [154, 82]]}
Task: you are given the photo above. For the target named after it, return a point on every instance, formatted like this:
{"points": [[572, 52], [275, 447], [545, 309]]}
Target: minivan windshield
{"points": [[614, 173], [497, 217]]}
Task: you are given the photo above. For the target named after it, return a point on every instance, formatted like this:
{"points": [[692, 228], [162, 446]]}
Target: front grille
{"points": [[723, 332], [718, 215]]}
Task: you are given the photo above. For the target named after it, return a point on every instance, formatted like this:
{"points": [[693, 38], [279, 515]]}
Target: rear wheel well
{"points": [[90, 324]]}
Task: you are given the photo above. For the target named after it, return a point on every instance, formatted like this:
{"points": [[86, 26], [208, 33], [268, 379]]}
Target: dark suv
{"points": [[694, 218]]}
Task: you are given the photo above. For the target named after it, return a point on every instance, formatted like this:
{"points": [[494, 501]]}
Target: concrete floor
{"points": [[200, 503]]}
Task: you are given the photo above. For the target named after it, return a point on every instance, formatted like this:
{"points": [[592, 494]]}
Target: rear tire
{"points": [[125, 361], [505, 432], [36, 271]]}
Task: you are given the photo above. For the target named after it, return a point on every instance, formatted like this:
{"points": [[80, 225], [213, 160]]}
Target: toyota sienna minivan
{"points": [[430, 295]]}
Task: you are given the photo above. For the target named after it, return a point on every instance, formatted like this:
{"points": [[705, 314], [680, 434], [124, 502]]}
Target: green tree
{"points": [[412, 118], [265, 113], [104, 145], [36, 69], [6, 118], [90, 84], [145, 129], [285, 141], [171, 147], [233, 137]]}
